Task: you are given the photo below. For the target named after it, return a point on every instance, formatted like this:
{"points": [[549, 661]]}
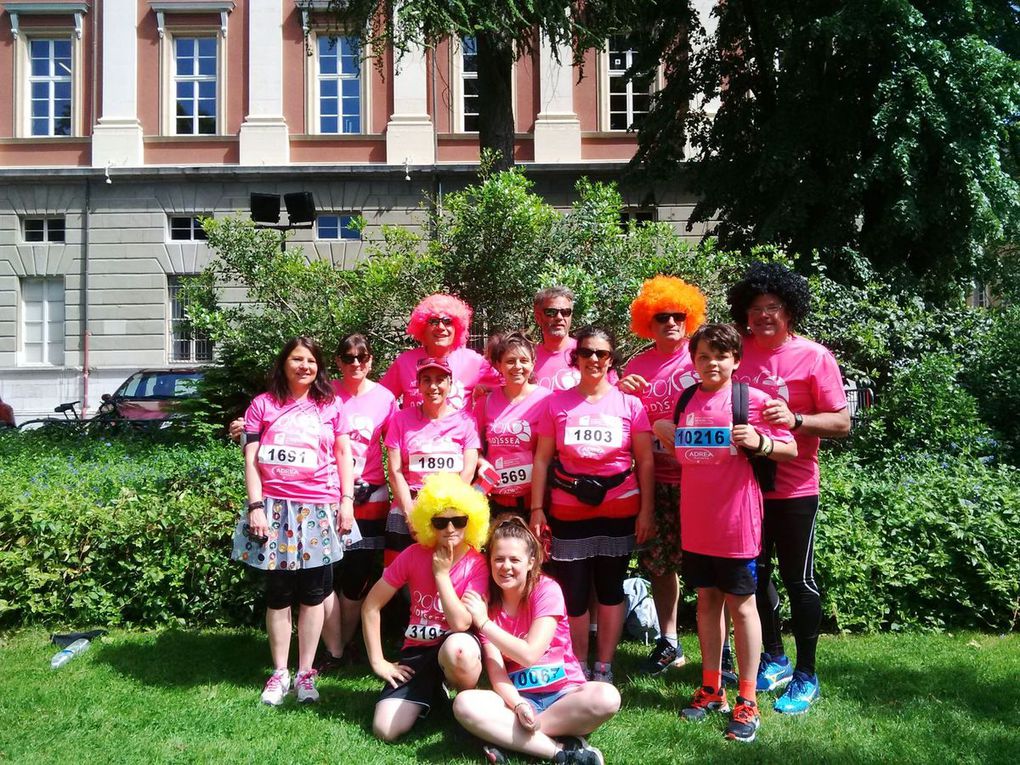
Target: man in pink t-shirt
{"points": [[554, 310], [806, 394], [667, 310], [720, 518]]}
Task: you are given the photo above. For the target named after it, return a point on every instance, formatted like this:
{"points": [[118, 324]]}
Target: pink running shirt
{"points": [[366, 417], [469, 369], [558, 668], [553, 370], [806, 376], [509, 432], [431, 446], [413, 567], [720, 501], [295, 448], [594, 439], [667, 377]]}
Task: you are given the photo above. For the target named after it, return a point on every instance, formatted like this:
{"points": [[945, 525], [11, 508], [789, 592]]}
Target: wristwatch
{"points": [[798, 420]]}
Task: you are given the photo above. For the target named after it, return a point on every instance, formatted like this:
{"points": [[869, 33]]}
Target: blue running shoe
{"points": [[773, 673], [800, 694]]}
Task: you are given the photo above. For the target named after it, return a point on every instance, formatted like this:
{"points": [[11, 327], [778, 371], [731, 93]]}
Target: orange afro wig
{"points": [[441, 305], [666, 293]]}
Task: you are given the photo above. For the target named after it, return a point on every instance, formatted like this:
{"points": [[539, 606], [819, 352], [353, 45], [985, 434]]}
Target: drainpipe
{"points": [[84, 309]]}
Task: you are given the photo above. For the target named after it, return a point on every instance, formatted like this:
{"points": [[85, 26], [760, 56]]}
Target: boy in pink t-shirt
{"points": [[720, 518], [450, 521]]}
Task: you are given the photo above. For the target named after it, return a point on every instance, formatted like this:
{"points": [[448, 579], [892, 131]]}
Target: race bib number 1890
{"points": [[437, 463]]}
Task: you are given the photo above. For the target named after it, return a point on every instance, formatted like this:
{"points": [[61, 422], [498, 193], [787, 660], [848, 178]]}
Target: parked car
{"points": [[153, 394]]}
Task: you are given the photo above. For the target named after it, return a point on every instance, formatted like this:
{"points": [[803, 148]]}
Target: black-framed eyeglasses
{"points": [[350, 358], [440, 522], [772, 309], [435, 321], [552, 313], [601, 354], [676, 316]]}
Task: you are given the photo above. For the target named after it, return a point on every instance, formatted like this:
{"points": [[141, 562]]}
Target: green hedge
{"points": [[127, 530], [136, 530]]}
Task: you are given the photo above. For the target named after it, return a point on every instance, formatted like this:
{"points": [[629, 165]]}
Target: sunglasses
{"points": [[350, 358], [439, 523], [665, 316], [601, 354], [552, 313], [435, 321], [257, 538], [772, 309]]}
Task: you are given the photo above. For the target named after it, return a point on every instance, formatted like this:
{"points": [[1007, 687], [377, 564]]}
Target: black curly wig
{"points": [[764, 278]]}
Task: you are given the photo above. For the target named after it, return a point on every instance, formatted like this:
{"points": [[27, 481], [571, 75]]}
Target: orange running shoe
{"points": [[744, 722], [706, 699]]}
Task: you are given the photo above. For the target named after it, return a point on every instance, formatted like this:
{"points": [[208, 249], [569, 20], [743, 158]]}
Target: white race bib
{"points": [[437, 462], [424, 632], [290, 456], [603, 431]]}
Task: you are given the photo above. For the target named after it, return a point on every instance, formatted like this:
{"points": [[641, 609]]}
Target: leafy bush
{"points": [[126, 530], [992, 373], [919, 543]]}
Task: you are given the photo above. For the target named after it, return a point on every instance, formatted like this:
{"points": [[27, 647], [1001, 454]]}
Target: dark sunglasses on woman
{"points": [[601, 354], [350, 358], [435, 321], [439, 523]]}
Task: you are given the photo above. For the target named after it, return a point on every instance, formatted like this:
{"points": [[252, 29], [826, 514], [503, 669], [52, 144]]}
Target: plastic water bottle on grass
{"points": [[62, 657]]}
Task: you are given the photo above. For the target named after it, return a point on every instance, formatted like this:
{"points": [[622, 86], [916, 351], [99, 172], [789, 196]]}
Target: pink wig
{"points": [[441, 305], [665, 293]]}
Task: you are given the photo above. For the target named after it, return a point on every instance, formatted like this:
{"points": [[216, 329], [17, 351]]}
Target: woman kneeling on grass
{"points": [[450, 520], [540, 693]]}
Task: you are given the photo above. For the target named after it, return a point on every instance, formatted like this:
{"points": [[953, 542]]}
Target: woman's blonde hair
{"points": [[446, 491]]}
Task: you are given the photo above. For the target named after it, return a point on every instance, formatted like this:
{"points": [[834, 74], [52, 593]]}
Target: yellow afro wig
{"points": [[666, 293], [446, 491]]}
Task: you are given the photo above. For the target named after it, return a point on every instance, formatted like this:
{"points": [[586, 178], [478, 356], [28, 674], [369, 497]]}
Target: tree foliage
{"points": [[886, 127], [504, 30]]}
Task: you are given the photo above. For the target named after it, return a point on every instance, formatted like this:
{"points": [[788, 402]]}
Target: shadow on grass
{"points": [[177, 658]]}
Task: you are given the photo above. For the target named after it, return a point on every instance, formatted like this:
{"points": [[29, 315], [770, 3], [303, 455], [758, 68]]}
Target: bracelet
{"points": [[517, 705], [536, 509], [259, 505], [346, 496], [767, 450], [484, 625]]}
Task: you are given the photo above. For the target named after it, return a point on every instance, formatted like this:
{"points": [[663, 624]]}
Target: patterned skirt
{"points": [[301, 535]]}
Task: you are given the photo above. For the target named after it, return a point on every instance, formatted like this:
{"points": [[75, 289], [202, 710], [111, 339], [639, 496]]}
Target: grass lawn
{"points": [[192, 696]]}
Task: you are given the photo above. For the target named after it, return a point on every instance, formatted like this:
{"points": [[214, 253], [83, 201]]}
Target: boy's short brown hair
{"points": [[721, 337]]}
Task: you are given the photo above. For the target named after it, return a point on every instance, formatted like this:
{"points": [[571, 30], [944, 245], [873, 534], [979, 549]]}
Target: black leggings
{"points": [[789, 531], [577, 576], [355, 573]]}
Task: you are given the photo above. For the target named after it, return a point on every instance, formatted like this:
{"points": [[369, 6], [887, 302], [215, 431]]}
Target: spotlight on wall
{"points": [[265, 208], [300, 208]]}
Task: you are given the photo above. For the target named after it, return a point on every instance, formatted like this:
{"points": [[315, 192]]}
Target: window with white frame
{"points": [[43, 229], [628, 98], [338, 226], [339, 95], [42, 321], [186, 343], [186, 228], [50, 85], [195, 85], [469, 84]]}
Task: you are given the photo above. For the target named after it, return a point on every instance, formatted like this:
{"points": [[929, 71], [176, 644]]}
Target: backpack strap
{"points": [[683, 401], [740, 400]]}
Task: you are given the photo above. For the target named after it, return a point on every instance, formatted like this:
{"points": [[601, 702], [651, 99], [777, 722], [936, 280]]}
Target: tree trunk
{"points": [[495, 97]]}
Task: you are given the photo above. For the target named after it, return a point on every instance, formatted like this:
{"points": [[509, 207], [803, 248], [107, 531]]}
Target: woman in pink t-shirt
{"points": [[806, 394], [367, 408], [595, 452], [539, 691], [441, 324], [426, 438], [508, 421], [297, 472], [450, 520]]}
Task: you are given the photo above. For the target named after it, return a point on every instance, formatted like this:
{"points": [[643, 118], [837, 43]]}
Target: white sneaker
{"points": [[304, 683], [277, 688]]}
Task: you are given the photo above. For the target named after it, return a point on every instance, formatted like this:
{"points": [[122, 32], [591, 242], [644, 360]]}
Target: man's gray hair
{"points": [[549, 293]]}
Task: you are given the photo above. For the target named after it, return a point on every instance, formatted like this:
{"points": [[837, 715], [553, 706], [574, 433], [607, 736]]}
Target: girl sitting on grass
{"points": [[539, 690], [450, 520]]}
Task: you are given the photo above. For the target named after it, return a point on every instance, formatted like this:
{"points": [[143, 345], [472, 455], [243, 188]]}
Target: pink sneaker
{"points": [[277, 688], [304, 683]]}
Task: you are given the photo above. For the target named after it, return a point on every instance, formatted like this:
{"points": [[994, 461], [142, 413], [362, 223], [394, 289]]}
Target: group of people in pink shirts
{"points": [[513, 491]]}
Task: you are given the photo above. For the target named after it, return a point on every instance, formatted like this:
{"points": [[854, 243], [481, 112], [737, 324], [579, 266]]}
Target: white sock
{"points": [[671, 639]]}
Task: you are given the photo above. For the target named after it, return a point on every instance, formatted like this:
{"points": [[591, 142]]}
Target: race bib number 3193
{"points": [[424, 632]]}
